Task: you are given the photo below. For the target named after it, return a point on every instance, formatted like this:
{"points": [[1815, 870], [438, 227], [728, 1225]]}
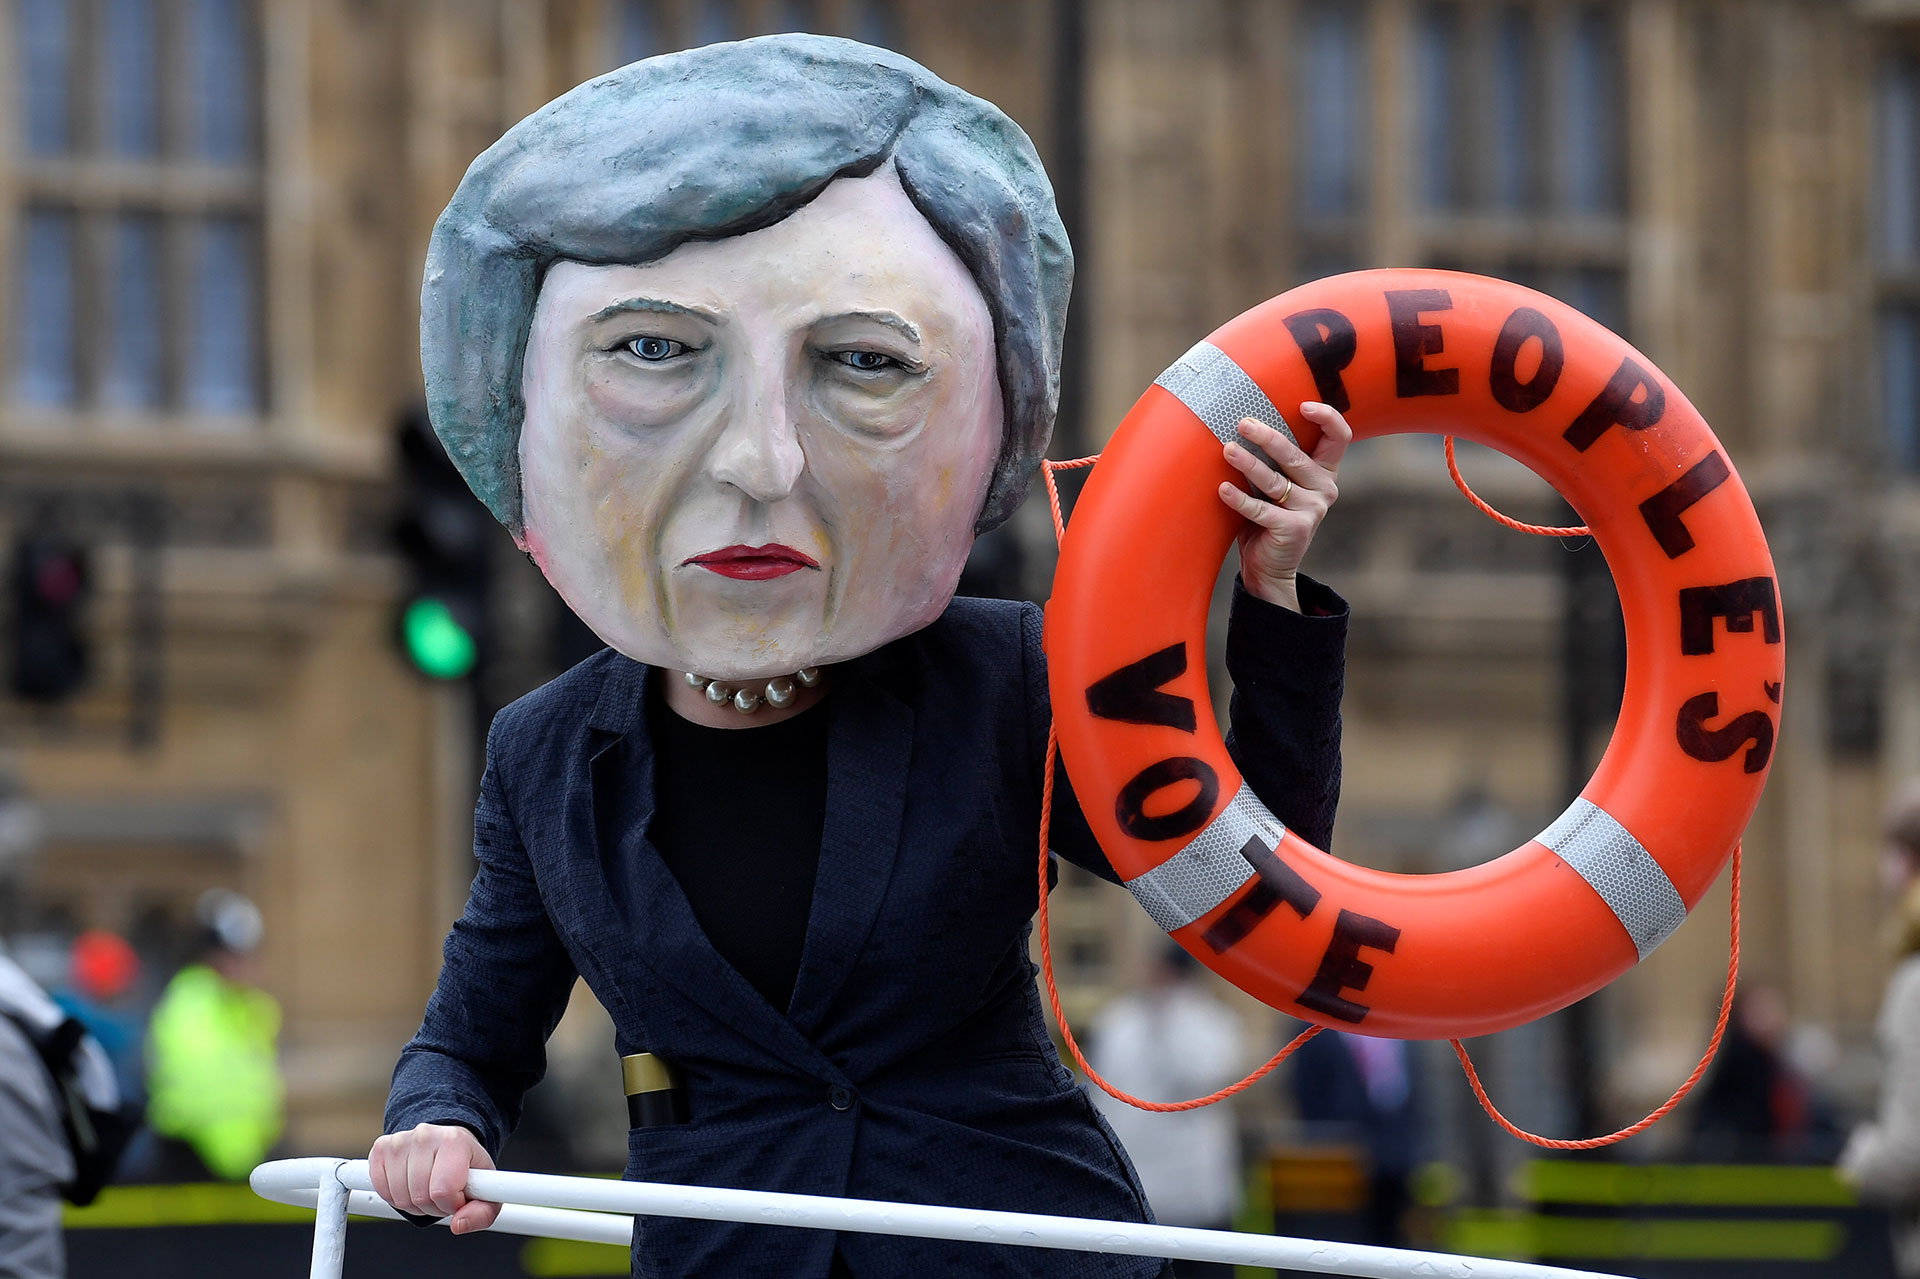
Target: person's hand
{"points": [[1281, 524], [424, 1171]]}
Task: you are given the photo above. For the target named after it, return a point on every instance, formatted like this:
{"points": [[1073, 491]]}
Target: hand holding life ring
{"points": [[1300, 488], [1489, 947]]}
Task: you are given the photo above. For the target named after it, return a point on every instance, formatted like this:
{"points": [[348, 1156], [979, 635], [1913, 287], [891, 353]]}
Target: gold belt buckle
{"points": [[655, 1094]]}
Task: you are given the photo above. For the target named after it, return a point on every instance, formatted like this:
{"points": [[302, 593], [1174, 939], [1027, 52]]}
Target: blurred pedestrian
{"points": [[1166, 1042], [1883, 1158], [215, 1094], [62, 1124], [1361, 1090], [100, 993], [34, 1158], [1755, 1105]]}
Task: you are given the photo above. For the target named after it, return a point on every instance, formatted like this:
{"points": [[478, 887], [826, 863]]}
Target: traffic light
{"points": [[48, 654], [443, 533]]}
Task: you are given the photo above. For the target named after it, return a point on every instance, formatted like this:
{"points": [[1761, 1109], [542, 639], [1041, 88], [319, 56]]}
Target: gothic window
{"points": [[714, 22], [47, 364], [1512, 97], [1332, 127], [1332, 114], [875, 22], [1438, 89], [136, 232], [1590, 115], [1507, 121], [642, 28], [636, 32], [794, 15], [1896, 239]]}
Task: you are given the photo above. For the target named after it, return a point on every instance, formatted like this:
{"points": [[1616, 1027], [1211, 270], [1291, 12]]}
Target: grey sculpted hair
{"points": [[717, 142]]}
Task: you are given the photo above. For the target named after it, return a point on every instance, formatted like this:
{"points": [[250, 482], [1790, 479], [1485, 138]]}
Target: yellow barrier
{"points": [[193, 1204], [1525, 1235], [1571, 1181]]}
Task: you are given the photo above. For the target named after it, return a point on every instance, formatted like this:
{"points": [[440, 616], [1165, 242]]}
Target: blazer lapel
{"points": [[869, 754], [652, 922]]}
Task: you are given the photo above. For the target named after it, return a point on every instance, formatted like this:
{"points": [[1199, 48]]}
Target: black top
{"points": [[738, 817]]}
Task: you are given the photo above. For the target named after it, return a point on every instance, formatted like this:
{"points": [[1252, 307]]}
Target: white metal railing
{"points": [[602, 1211]]}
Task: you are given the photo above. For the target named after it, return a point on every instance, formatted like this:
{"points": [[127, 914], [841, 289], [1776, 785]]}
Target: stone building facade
{"points": [[213, 215]]}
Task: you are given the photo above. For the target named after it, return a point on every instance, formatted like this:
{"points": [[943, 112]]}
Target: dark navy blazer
{"points": [[913, 1063]]}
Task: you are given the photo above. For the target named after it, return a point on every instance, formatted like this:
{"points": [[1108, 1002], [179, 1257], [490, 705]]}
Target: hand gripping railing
{"points": [[601, 1211]]}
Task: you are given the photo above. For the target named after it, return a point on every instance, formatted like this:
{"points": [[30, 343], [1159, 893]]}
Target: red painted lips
{"points": [[754, 563]]}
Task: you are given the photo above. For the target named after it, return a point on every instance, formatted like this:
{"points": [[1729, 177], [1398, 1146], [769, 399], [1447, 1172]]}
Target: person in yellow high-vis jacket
{"points": [[215, 1093]]}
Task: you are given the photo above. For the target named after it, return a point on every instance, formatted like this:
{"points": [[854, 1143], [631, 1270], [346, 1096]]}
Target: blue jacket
{"points": [[914, 1062]]}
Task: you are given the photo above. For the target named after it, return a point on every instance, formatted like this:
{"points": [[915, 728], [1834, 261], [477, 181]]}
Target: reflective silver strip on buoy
{"points": [[1621, 870], [1208, 381], [1210, 868]]}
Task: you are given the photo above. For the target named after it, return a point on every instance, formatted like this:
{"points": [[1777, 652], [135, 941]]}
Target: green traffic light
{"points": [[438, 645]]}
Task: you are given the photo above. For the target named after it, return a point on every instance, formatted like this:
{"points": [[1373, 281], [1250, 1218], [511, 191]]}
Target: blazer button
{"points": [[840, 1097]]}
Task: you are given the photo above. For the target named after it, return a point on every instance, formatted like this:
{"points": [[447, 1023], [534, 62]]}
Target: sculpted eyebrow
{"points": [[658, 305], [899, 324]]}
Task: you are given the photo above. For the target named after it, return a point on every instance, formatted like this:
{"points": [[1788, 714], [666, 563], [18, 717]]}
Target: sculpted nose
{"points": [[759, 452]]}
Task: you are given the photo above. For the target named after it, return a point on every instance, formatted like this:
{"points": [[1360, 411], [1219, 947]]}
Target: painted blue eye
{"points": [[867, 361], [654, 350]]}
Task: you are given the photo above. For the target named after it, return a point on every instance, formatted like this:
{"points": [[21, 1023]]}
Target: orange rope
{"points": [[1659, 1113], [1733, 945], [1460, 1049], [1053, 490], [1540, 530]]}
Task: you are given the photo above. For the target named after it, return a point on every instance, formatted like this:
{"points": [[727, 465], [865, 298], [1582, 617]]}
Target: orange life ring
{"points": [[1470, 951]]}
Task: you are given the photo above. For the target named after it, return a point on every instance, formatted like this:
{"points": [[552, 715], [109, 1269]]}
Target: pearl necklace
{"points": [[778, 692]]}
